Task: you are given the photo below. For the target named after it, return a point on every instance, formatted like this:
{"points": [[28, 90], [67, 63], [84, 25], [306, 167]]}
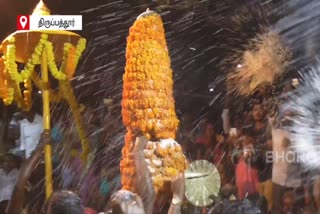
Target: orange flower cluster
{"points": [[148, 104], [127, 166], [70, 62], [164, 162]]}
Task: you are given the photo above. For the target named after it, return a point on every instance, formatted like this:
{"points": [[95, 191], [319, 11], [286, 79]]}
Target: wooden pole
{"points": [[46, 122]]}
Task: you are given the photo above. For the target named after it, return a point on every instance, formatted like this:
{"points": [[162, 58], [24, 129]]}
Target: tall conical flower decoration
{"points": [[148, 105]]}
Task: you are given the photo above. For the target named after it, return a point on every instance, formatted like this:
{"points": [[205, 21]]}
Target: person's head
{"points": [[126, 202], [89, 211], [29, 115], [3, 207], [258, 112], [260, 201], [263, 89], [209, 130], [288, 201], [247, 140], [288, 87], [308, 210], [9, 163], [65, 202]]}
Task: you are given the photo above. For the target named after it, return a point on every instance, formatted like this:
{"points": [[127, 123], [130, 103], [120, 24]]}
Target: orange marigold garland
{"points": [[148, 103]]}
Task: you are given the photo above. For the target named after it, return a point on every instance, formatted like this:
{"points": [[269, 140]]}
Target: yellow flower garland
{"points": [[9, 99], [10, 60], [35, 58], [69, 96], [68, 62], [52, 64], [18, 95], [71, 57], [27, 93], [81, 46], [4, 90], [10, 84]]}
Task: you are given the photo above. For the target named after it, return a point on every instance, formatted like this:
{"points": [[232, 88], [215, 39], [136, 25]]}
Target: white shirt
{"points": [[30, 134], [226, 121], [7, 184], [284, 171]]}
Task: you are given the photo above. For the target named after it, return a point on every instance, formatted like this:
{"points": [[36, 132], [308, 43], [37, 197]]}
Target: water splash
{"points": [[302, 111]]}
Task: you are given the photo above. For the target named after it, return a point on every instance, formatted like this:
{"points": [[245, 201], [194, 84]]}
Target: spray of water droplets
{"points": [[262, 63], [303, 113]]}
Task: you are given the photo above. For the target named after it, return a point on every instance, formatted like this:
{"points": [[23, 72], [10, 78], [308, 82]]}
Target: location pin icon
{"points": [[23, 21]]}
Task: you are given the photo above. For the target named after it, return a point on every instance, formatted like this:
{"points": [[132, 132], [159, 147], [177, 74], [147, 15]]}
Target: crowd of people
{"points": [[238, 142], [251, 149]]}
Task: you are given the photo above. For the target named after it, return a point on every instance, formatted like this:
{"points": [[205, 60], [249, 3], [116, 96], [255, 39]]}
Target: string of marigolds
{"points": [[71, 58], [6, 93], [11, 66], [68, 95], [11, 79], [27, 94]]}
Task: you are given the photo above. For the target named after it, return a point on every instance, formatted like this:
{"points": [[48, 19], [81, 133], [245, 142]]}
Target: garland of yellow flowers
{"points": [[27, 94], [70, 63], [10, 60], [52, 64], [6, 93], [10, 97], [68, 95], [17, 95], [11, 66], [70, 60]]}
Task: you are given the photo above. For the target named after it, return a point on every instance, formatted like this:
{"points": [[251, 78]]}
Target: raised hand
{"points": [[140, 144], [45, 137], [178, 186]]}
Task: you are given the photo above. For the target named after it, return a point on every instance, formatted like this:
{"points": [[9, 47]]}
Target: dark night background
{"points": [[199, 34]]}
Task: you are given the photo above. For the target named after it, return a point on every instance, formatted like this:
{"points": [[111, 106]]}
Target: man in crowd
{"points": [[31, 127], [8, 178], [258, 131], [285, 174]]}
